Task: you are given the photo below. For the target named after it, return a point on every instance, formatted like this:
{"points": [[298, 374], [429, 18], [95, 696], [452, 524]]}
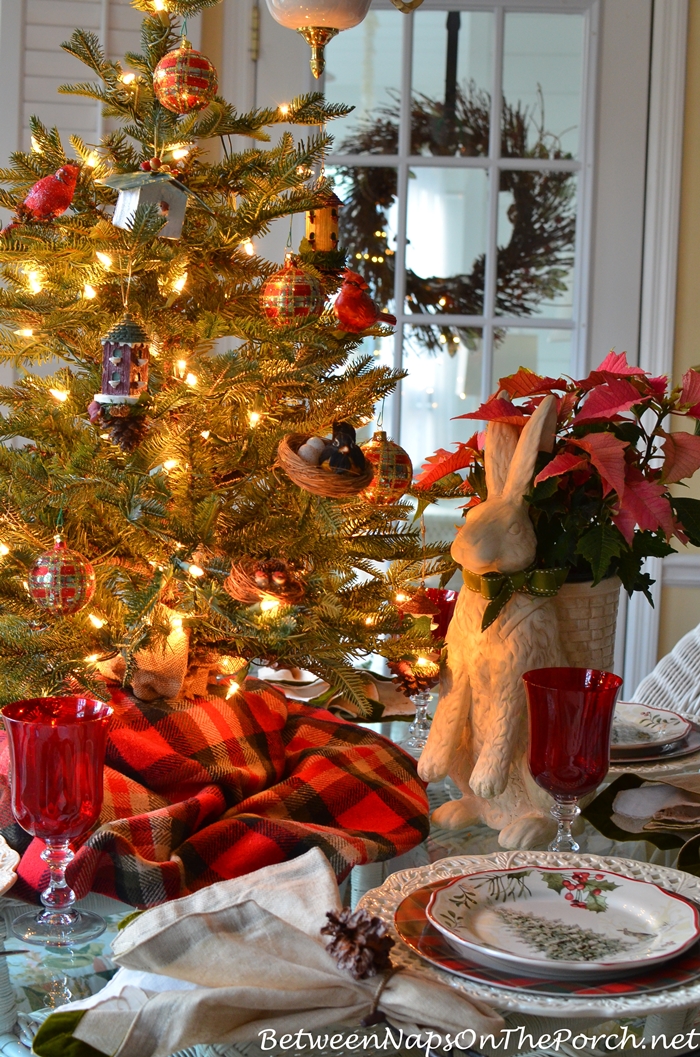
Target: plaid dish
{"points": [[208, 789]]}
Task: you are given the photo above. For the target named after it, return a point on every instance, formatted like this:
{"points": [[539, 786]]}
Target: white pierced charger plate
{"points": [[384, 901], [683, 759], [563, 923], [643, 727]]}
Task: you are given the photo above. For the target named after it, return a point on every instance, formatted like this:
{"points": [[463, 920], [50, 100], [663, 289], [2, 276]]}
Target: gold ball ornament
{"points": [[185, 80], [392, 466]]}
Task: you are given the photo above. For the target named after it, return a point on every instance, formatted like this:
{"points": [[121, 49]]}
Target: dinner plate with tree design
{"points": [[572, 924]]}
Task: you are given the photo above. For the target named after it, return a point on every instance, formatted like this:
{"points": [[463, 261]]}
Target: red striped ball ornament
{"points": [[291, 295], [61, 581], [185, 80]]}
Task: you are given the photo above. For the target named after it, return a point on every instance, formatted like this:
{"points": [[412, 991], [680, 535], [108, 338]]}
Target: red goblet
{"points": [[57, 750], [570, 713]]}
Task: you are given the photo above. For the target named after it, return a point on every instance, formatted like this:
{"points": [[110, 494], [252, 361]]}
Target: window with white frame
{"points": [[465, 173]]}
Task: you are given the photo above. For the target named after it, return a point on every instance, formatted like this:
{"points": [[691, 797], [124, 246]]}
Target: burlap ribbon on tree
{"points": [[171, 672]]}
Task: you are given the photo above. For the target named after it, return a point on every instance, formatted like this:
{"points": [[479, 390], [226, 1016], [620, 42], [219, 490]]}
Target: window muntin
{"points": [[525, 73]]}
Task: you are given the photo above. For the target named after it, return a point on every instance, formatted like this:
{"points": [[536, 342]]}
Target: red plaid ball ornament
{"points": [[185, 80], [291, 294], [393, 470], [61, 581]]}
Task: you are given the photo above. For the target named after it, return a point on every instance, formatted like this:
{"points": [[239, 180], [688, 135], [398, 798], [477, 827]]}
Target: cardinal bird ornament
{"points": [[51, 196], [355, 309]]}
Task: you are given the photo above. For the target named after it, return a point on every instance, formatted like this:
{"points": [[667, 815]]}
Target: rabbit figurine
{"points": [[479, 733]]}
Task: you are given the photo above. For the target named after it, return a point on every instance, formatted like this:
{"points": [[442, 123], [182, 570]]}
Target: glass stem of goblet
{"points": [[58, 897], [565, 811], [420, 728]]}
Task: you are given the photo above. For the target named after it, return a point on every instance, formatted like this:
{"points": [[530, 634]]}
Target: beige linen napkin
{"points": [[673, 804], [252, 947]]}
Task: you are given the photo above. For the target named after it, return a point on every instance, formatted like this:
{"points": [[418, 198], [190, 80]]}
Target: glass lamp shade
{"points": [[336, 14]]}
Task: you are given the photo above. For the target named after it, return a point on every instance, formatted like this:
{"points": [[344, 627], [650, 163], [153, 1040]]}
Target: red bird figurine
{"points": [[355, 309], [52, 195]]}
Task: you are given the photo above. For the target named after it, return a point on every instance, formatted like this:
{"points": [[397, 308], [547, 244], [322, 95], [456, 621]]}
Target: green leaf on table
{"points": [[599, 546], [55, 1037]]}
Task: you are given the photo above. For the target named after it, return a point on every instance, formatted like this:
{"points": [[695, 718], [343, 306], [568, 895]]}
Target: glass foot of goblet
{"points": [[420, 728], [59, 924], [51, 929], [565, 813]]}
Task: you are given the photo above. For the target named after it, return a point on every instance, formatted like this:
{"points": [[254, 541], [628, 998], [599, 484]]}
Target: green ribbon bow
{"points": [[498, 588]]}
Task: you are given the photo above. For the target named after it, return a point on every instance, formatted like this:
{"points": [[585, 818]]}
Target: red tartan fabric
{"points": [[208, 789]]}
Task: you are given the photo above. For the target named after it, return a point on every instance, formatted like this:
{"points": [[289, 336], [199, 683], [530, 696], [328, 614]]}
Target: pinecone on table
{"points": [[412, 678], [360, 944]]}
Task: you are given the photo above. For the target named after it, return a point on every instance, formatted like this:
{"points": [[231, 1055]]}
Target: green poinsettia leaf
{"points": [[599, 546], [55, 1037], [688, 512]]}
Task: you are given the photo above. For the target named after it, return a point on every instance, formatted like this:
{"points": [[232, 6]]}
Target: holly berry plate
{"points": [[563, 923]]}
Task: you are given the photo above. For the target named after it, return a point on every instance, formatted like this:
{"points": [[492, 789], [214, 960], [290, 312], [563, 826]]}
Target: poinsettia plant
{"points": [[601, 501]]}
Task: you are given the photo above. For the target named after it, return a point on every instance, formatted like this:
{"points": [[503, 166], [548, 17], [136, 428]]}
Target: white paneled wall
{"points": [[34, 30], [47, 23]]}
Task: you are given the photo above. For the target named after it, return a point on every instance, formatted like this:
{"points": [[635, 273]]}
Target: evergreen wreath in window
{"points": [[532, 267]]}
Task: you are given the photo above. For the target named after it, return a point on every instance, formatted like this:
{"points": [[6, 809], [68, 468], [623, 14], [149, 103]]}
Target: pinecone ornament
{"points": [[360, 944], [415, 676], [126, 427]]}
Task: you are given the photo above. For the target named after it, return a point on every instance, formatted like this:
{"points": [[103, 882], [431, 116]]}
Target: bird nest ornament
{"points": [[316, 479], [253, 580]]}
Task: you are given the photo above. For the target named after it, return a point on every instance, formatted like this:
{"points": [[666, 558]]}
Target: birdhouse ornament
{"points": [[149, 188], [322, 225], [124, 364]]}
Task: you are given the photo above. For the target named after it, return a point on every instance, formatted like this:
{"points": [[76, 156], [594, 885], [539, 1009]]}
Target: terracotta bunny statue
{"points": [[479, 733]]}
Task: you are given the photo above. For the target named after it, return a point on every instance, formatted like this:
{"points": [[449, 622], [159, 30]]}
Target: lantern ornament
{"points": [[125, 352], [61, 581], [291, 295], [393, 470], [185, 80], [322, 225]]}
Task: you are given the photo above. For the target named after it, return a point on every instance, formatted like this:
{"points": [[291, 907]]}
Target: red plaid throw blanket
{"points": [[209, 789]]}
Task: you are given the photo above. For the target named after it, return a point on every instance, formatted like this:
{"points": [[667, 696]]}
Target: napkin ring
{"points": [[375, 1016]]}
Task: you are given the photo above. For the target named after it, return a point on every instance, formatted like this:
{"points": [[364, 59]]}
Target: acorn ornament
{"points": [[61, 581], [291, 295], [393, 470], [185, 80]]}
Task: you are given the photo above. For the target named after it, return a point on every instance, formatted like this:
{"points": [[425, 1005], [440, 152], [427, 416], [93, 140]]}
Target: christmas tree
{"points": [[173, 489]]}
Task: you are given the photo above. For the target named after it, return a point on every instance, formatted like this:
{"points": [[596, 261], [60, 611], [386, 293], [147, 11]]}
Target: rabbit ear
{"points": [[522, 467], [501, 442]]}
